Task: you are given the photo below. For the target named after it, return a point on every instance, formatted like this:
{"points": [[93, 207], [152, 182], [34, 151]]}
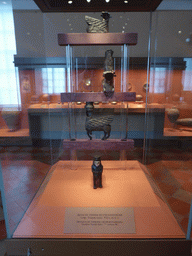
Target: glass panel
{"points": [[47, 164], [168, 153], [87, 74]]}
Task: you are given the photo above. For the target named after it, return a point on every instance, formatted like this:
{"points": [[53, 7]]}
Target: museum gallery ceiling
{"points": [[97, 5]]}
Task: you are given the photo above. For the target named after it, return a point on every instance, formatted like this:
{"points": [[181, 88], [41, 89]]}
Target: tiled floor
{"points": [[168, 169]]}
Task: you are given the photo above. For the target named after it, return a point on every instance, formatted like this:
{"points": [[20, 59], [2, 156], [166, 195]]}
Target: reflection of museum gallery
{"points": [[96, 127]]}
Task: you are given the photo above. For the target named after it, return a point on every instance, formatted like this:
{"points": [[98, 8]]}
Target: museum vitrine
{"points": [[99, 100]]}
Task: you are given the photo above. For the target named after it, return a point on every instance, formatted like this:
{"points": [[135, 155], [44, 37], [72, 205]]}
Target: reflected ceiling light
{"points": [[187, 40], [179, 31], [4, 3], [70, 2]]}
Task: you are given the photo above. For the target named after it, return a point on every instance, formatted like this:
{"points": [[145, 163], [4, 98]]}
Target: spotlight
{"points": [[88, 1], [107, 1], [126, 2], [70, 2]]}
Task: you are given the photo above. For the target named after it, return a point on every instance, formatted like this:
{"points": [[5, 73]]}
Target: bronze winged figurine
{"points": [[96, 25], [97, 123]]}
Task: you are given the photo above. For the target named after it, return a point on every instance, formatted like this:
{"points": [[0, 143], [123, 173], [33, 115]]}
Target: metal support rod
{"points": [[29, 252], [2, 194], [189, 223]]}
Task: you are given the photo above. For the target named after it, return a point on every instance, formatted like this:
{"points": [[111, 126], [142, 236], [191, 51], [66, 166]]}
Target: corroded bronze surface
{"points": [[96, 25]]}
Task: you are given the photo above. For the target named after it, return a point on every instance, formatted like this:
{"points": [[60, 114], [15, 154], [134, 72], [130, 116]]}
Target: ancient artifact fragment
{"points": [[172, 114], [129, 86], [88, 82], [46, 98], [97, 123], [12, 118], [184, 121], [96, 25], [97, 170], [139, 97], [108, 83], [175, 97], [34, 99], [146, 87]]}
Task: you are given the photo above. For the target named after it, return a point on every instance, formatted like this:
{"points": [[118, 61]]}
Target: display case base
{"points": [[124, 186], [15, 138], [42, 228], [98, 247]]}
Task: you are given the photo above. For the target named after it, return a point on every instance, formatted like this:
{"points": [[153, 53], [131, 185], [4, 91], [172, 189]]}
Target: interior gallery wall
{"points": [[36, 32], [36, 37]]}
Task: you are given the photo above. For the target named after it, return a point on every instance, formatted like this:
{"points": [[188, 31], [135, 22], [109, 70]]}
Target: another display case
{"points": [[54, 200]]}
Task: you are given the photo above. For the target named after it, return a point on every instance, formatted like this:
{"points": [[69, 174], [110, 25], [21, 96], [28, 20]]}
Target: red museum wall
{"points": [[137, 78]]}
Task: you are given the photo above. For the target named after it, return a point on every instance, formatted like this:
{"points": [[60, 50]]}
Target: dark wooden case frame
{"points": [[97, 96], [97, 39]]}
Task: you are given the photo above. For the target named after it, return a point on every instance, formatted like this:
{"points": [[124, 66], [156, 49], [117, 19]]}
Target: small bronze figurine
{"points": [[97, 170], [97, 123], [108, 83], [109, 62], [96, 25]]}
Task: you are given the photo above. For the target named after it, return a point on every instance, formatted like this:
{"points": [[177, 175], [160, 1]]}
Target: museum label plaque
{"points": [[99, 220]]}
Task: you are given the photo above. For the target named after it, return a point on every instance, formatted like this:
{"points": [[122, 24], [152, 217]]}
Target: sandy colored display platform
{"points": [[19, 133], [181, 132], [122, 187]]}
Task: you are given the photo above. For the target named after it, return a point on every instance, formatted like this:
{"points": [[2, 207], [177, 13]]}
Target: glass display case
{"points": [[96, 141]]}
